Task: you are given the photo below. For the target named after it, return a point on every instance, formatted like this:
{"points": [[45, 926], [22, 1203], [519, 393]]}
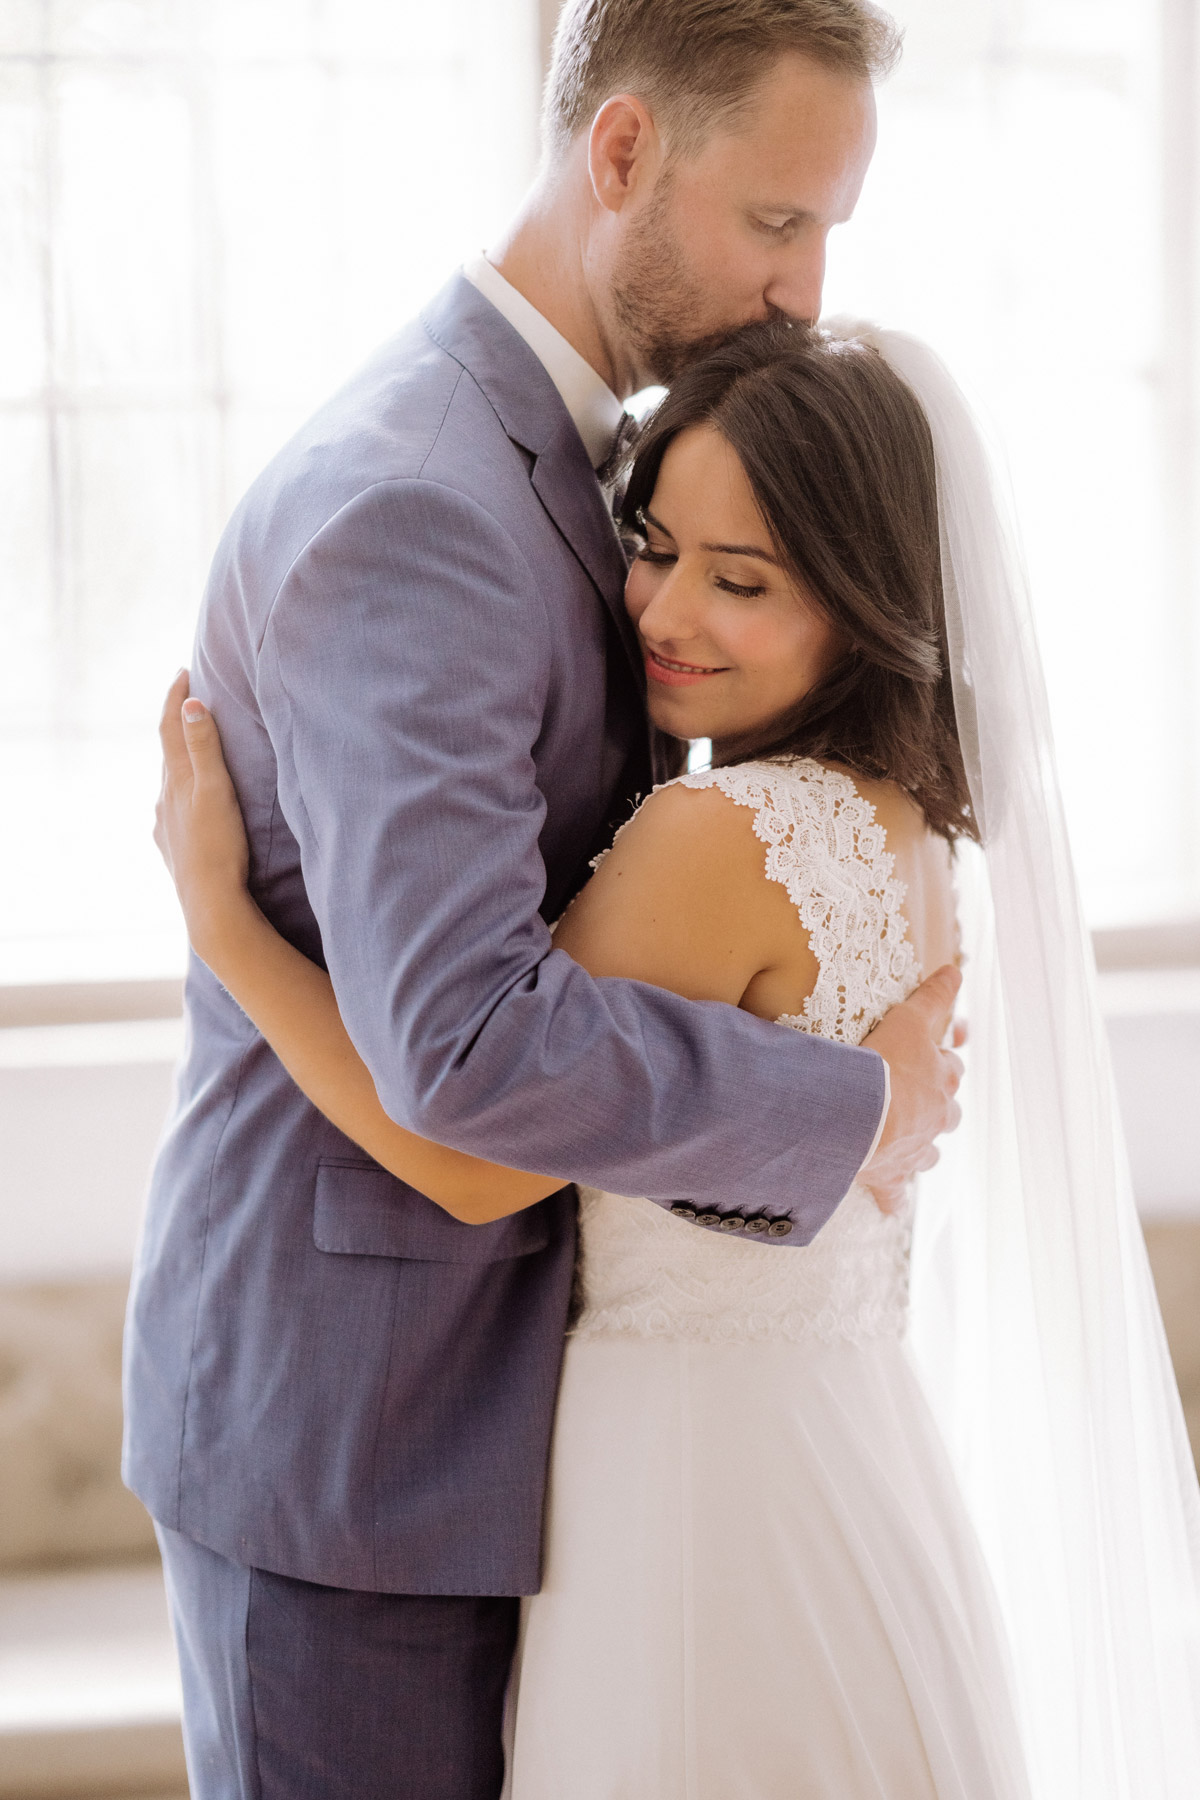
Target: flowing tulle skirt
{"points": [[760, 1584]]}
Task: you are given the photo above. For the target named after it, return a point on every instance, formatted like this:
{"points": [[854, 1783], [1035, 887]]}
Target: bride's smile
{"points": [[731, 639], [676, 674]]}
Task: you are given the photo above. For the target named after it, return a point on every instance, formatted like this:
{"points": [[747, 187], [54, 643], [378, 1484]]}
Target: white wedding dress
{"points": [[761, 1581]]}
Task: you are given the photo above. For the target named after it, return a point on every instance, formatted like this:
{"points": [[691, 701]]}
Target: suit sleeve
{"points": [[403, 678]]}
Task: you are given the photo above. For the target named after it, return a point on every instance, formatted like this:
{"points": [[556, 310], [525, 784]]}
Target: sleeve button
{"points": [[681, 1210], [733, 1222], [780, 1228], [708, 1218], [756, 1224]]}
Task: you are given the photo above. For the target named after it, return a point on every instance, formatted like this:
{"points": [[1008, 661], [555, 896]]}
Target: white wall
{"points": [[81, 1108], [1154, 1029]]}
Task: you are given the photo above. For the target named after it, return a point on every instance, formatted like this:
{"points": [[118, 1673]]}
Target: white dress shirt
{"points": [[590, 401]]}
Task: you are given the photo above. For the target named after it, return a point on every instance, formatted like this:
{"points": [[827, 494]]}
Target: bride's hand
{"points": [[197, 823]]}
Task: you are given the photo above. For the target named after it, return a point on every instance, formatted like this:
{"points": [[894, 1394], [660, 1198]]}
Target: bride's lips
{"points": [[676, 674]]}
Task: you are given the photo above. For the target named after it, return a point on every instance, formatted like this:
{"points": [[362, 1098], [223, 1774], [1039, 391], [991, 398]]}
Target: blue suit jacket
{"points": [[430, 697]]}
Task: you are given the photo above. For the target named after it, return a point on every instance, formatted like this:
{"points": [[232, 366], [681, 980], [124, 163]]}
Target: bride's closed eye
{"points": [[661, 559], [735, 587]]}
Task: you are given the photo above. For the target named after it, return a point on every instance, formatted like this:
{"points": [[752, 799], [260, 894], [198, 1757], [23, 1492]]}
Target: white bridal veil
{"points": [[1034, 1317]]}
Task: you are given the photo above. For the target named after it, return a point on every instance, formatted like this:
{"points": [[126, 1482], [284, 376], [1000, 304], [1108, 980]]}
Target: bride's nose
{"points": [[673, 615]]}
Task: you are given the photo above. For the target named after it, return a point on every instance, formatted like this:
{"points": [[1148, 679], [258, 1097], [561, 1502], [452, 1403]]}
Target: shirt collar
{"points": [[594, 408]]}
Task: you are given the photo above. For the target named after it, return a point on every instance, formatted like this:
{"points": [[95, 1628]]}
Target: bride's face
{"points": [[731, 640]]}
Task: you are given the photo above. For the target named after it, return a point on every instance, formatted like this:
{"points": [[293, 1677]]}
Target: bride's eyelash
{"points": [[660, 558]]}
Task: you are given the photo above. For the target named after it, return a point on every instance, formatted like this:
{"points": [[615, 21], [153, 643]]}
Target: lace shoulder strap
{"points": [[825, 848]]}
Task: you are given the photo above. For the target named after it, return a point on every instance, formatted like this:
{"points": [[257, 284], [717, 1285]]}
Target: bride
{"points": [[907, 1512]]}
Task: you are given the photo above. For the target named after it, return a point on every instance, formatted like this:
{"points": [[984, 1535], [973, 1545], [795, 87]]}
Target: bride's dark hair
{"points": [[838, 455]]}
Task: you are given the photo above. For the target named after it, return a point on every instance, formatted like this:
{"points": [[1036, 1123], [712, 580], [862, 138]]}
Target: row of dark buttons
{"points": [[756, 1224]]}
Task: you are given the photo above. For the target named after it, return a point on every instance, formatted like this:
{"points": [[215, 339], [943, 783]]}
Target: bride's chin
{"points": [[677, 720]]}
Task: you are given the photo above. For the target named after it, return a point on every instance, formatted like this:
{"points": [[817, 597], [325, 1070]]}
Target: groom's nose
{"points": [[796, 283]]}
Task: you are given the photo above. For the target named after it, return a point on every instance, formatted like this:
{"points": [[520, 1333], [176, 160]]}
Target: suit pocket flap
{"points": [[361, 1210]]}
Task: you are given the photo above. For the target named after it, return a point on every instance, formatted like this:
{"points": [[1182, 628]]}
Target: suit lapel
{"points": [[531, 410], [566, 485]]}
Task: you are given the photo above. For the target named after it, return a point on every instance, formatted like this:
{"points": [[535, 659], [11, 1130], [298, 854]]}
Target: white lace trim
{"points": [[643, 1271], [825, 848]]}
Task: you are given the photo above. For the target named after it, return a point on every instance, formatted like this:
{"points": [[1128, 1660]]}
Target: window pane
{"points": [[22, 234], [29, 557], [124, 233], [1014, 216], [210, 212]]}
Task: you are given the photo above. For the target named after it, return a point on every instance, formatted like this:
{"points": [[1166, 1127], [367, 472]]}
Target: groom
{"points": [[413, 641]]}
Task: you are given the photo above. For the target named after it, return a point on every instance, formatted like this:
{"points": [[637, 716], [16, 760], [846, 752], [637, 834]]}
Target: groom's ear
{"points": [[624, 151]]}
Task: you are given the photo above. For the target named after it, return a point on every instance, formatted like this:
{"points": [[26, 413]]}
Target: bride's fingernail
{"points": [[193, 712]]}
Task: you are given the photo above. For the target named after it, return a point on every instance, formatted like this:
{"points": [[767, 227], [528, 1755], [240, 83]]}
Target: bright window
{"points": [[1033, 211], [210, 210]]}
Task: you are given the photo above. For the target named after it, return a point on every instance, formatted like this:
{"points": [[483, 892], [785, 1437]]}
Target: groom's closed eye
{"points": [[781, 224]]}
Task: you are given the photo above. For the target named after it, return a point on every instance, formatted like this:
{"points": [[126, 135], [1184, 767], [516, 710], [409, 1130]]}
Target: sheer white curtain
{"points": [[210, 210], [1033, 212]]}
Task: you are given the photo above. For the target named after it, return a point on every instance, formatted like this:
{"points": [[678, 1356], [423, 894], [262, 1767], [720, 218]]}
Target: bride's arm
{"points": [[677, 903]]}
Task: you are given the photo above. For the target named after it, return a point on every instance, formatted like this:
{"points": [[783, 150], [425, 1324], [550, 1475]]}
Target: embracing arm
{"points": [[407, 671], [673, 905], [290, 999], [292, 1003], [412, 679]]}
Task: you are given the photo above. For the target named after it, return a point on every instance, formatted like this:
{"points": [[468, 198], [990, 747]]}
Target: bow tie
{"points": [[614, 464]]}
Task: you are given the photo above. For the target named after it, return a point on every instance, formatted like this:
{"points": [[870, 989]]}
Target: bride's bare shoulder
{"points": [[698, 823], [680, 899]]}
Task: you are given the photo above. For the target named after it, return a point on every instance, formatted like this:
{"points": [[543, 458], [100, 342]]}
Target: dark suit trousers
{"points": [[297, 1692]]}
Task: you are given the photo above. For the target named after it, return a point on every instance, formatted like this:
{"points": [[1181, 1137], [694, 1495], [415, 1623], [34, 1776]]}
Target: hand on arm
{"points": [[199, 830], [924, 1080], [680, 901]]}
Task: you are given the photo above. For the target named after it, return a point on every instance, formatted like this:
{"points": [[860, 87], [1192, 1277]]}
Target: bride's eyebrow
{"points": [[648, 518], [743, 550]]}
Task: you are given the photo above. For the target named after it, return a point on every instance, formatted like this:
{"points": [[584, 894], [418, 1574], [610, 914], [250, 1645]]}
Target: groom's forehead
{"points": [[801, 145]]}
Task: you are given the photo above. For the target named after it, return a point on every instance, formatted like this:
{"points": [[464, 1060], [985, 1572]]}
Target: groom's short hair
{"points": [[695, 61]]}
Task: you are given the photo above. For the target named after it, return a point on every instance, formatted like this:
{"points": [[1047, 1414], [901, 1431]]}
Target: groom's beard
{"points": [[658, 302]]}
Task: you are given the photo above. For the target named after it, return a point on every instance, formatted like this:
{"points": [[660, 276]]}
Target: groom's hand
{"points": [[924, 1079]]}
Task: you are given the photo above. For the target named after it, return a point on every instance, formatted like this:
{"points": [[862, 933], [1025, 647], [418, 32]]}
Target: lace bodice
{"points": [[645, 1271]]}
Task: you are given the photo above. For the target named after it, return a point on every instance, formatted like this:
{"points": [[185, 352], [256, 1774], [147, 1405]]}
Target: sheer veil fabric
{"points": [[1034, 1319]]}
